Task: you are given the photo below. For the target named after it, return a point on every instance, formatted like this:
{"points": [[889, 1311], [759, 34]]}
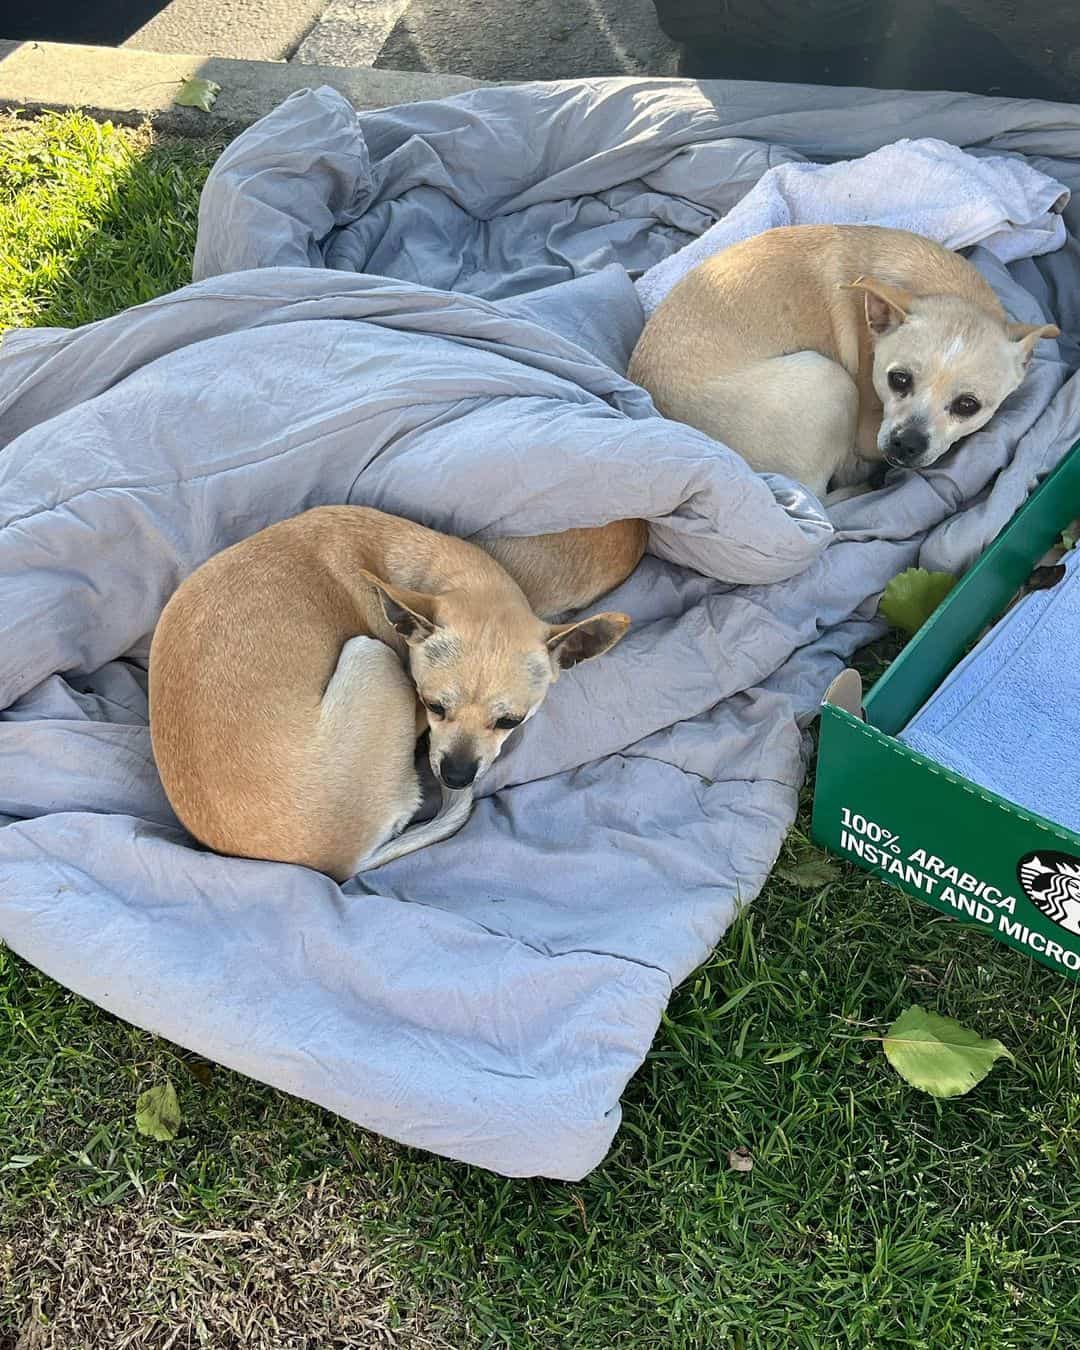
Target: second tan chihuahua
{"points": [[815, 351], [291, 674]]}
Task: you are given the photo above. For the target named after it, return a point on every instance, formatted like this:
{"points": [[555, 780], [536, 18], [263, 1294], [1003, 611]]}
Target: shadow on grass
{"points": [[93, 218]]}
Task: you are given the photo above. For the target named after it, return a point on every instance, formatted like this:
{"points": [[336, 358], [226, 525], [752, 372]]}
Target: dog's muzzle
{"points": [[458, 773], [906, 446]]}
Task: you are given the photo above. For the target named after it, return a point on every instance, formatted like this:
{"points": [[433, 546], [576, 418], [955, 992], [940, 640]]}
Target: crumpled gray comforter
{"points": [[487, 998]]}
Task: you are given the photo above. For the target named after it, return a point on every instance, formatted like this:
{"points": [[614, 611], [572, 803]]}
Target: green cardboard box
{"points": [[922, 827]]}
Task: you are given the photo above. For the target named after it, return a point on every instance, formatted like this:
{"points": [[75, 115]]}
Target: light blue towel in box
{"points": [[1008, 717]]}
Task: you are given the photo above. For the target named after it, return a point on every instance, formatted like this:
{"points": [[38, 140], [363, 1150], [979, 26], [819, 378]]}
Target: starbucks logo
{"points": [[1051, 881]]}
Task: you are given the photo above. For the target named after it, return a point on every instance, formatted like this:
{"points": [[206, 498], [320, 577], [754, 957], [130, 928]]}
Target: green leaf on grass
{"points": [[937, 1055], [912, 597], [810, 874], [157, 1112], [195, 93]]}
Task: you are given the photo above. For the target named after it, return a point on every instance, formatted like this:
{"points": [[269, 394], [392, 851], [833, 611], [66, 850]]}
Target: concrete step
{"points": [[130, 87]]}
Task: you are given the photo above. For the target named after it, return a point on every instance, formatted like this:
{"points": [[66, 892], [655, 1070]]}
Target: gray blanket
{"points": [[487, 998]]}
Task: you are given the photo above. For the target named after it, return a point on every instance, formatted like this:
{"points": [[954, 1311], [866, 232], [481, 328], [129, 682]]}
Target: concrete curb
{"points": [[131, 87]]}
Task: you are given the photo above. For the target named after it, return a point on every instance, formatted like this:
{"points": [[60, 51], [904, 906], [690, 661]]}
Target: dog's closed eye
{"points": [[436, 709], [508, 723]]}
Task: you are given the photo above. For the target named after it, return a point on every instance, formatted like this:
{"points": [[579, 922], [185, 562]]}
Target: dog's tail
{"points": [[451, 815]]}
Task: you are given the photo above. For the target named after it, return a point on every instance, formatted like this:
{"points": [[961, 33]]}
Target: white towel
{"points": [[926, 186]]}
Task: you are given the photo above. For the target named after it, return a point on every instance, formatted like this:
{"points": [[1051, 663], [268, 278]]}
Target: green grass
{"points": [[93, 219], [873, 1216]]}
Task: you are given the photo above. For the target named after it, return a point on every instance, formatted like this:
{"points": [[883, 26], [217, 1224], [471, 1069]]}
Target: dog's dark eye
{"points": [[967, 405], [508, 723], [436, 709], [900, 381]]}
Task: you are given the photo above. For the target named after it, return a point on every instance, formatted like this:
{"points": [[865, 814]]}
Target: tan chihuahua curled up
{"points": [[817, 350], [291, 675]]}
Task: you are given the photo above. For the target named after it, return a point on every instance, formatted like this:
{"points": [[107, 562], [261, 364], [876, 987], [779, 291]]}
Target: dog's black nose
{"points": [[457, 773], [908, 443]]}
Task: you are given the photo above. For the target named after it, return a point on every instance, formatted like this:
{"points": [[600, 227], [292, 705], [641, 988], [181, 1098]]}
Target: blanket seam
{"points": [[625, 753]]}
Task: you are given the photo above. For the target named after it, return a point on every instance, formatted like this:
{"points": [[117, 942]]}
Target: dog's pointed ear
{"points": [[570, 643], [410, 613], [886, 306], [1028, 334]]}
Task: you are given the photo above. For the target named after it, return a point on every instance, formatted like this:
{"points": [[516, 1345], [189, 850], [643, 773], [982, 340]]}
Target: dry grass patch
{"points": [[297, 1276]]}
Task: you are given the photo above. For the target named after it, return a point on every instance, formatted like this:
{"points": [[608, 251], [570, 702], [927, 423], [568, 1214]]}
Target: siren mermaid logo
{"points": [[1051, 881]]}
